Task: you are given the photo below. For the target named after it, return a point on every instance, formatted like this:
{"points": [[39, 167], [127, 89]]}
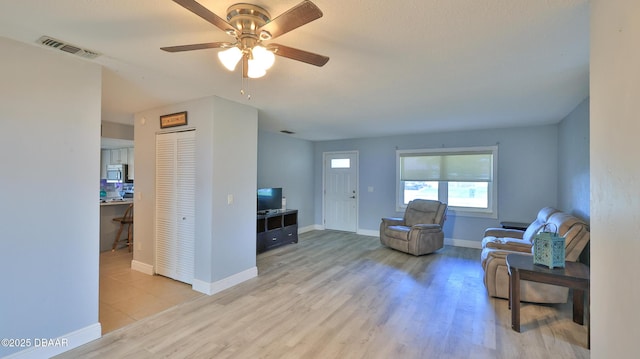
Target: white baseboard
{"points": [[463, 243], [142, 267], [307, 229], [319, 227], [59, 345], [215, 287], [448, 241], [368, 232]]}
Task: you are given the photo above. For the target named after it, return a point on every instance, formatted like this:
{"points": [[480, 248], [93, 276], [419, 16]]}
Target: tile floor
{"points": [[127, 295]]}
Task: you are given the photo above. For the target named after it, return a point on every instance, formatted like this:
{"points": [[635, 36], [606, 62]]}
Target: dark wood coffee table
{"points": [[574, 275], [515, 225]]}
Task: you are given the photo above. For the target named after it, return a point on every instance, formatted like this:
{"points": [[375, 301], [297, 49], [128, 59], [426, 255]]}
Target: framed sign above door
{"points": [[173, 120]]}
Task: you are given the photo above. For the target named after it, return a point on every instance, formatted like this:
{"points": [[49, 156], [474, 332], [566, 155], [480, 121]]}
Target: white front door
{"points": [[341, 191]]}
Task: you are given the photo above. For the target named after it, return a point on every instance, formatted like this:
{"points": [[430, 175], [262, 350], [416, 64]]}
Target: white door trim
{"points": [[325, 155]]}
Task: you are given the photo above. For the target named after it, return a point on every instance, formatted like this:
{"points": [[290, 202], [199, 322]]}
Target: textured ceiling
{"points": [[396, 67]]}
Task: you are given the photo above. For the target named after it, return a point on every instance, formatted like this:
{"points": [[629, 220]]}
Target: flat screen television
{"points": [[269, 199]]}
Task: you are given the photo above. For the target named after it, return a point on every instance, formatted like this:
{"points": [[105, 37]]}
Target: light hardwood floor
{"points": [[341, 295], [127, 296]]}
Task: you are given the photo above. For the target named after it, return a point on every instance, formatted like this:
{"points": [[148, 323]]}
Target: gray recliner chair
{"points": [[419, 231]]}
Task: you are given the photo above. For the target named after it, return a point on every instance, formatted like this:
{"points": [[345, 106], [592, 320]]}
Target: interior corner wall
{"points": [[615, 178], [573, 162], [226, 164], [49, 210], [287, 162]]}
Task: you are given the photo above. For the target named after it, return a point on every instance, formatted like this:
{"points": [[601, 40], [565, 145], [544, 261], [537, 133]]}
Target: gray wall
{"points": [[226, 164], [573, 162], [49, 246], [234, 164], [527, 174], [615, 178], [538, 166], [287, 162], [116, 130]]}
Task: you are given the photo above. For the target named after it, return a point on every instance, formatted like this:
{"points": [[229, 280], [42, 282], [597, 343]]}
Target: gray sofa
{"points": [[499, 242], [419, 231]]}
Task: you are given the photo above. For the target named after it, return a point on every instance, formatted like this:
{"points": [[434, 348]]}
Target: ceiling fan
{"points": [[251, 25]]}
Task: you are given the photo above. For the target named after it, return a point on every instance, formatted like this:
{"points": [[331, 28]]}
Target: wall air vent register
{"points": [[66, 47]]}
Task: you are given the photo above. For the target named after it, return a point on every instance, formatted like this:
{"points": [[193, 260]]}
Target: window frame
{"points": [[492, 209], [338, 165]]}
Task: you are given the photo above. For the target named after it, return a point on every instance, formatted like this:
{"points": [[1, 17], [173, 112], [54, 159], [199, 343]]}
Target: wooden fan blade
{"points": [[301, 14], [205, 13], [208, 45], [299, 55]]}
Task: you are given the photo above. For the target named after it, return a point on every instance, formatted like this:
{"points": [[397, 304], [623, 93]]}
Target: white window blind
{"points": [[454, 167]]}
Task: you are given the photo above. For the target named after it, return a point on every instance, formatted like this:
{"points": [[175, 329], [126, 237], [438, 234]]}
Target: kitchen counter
{"points": [[108, 227], [116, 202]]}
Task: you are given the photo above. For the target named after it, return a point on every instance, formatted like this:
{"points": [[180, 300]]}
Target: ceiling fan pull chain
{"points": [[242, 91]]}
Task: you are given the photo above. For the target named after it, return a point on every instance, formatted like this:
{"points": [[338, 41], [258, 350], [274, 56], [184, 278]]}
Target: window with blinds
{"points": [[464, 178]]}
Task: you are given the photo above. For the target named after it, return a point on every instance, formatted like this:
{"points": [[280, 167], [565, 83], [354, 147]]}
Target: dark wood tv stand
{"points": [[276, 228]]}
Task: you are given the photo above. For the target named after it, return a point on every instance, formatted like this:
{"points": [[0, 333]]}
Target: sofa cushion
{"points": [[531, 231], [398, 232], [575, 232], [507, 243], [421, 212], [543, 216], [415, 216]]}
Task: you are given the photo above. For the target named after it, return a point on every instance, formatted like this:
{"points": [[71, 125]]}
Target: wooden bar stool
{"points": [[126, 219]]}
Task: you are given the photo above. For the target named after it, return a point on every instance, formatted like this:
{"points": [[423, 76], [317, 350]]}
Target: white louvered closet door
{"points": [[175, 204]]}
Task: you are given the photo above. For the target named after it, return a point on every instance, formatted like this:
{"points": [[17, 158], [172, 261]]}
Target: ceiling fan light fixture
{"points": [[250, 25], [230, 57], [265, 35], [255, 69], [263, 57]]}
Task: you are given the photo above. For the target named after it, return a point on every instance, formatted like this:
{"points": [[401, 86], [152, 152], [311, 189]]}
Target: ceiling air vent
{"points": [[63, 46]]}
